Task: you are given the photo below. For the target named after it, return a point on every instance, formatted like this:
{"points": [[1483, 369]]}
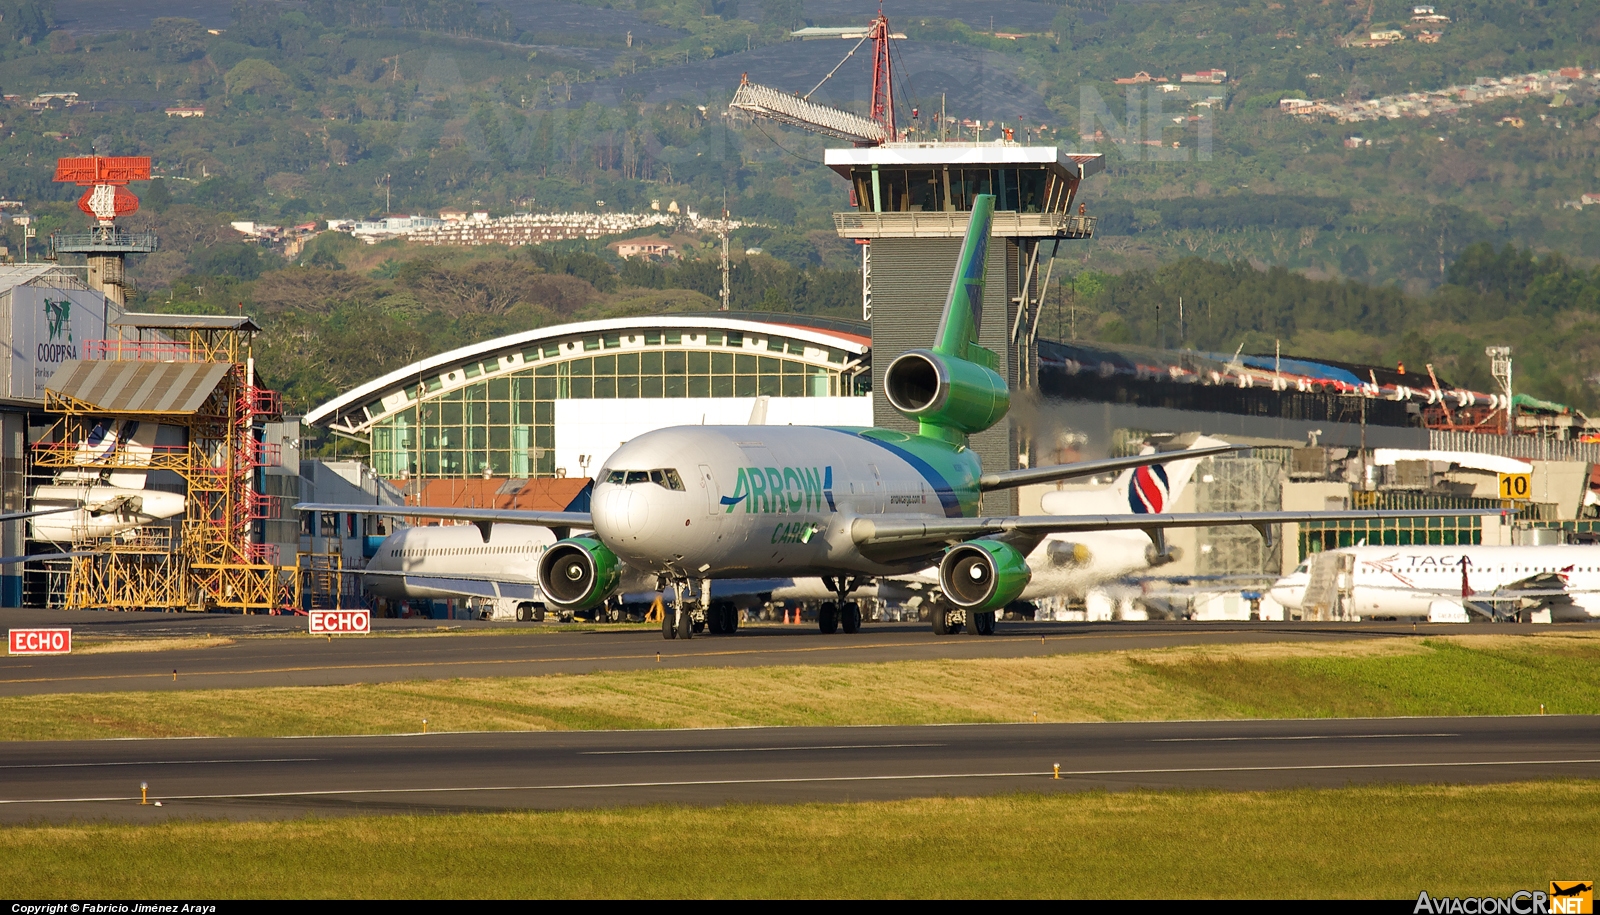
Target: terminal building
{"points": [[555, 402]]}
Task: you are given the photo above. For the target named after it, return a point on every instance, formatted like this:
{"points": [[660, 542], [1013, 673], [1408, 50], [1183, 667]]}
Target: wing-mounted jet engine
{"points": [[578, 573]]}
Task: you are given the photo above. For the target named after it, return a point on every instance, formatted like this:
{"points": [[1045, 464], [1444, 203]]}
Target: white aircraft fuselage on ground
{"points": [[422, 563], [1422, 581]]}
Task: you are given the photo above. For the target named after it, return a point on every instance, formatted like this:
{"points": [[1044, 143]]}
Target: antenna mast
{"points": [[724, 234]]}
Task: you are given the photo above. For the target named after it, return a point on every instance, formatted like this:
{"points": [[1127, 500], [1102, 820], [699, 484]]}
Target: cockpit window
{"points": [[666, 478]]}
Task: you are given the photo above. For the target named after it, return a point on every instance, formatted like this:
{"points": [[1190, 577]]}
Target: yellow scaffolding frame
{"points": [[211, 564]]}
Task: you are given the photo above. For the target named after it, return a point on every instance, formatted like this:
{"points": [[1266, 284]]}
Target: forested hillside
{"points": [[1425, 240]]}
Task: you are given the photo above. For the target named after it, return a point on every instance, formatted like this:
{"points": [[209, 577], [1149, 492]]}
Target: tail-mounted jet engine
{"points": [[940, 391], [981, 576], [578, 573]]}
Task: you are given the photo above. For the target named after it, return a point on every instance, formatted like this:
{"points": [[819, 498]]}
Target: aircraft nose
{"points": [[1287, 594], [622, 511]]}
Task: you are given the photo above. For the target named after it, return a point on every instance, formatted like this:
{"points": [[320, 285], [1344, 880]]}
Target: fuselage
{"points": [[1406, 581], [431, 555], [101, 511], [774, 501]]}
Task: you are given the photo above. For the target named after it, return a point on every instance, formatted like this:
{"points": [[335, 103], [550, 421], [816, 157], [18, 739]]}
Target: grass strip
{"points": [[1465, 675], [1368, 842]]}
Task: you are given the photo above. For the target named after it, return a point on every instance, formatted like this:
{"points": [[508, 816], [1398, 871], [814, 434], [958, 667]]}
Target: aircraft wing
{"points": [[18, 516], [939, 531], [464, 585], [478, 516], [38, 557], [1007, 479]]}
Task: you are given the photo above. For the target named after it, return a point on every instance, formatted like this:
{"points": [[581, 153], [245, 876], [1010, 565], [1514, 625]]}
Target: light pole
{"points": [[1500, 368]]}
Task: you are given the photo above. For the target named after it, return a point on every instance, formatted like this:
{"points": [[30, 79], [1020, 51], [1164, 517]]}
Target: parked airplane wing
{"points": [[1007, 479], [38, 557], [934, 531], [484, 518], [18, 516], [464, 585]]}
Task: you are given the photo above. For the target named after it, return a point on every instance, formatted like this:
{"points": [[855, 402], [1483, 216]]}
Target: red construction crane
{"points": [[799, 111]]}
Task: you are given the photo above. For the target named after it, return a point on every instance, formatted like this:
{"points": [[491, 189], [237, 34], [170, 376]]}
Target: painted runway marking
{"points": [[1044, 774], [156, 762], [1304, 737], [856, 746]]}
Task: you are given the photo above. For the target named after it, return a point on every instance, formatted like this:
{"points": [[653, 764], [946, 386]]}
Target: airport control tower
{"points": [[911, 204]]}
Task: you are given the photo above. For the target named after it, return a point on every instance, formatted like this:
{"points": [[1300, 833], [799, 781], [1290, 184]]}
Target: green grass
{"points": [[1366, 842], [1460, 675], [1452, 676]]}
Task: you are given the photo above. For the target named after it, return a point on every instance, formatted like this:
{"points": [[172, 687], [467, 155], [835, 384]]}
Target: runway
{"points": [[283, 777], [411, 650]]}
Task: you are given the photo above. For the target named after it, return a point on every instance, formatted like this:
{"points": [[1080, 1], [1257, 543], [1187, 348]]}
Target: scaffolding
{"points": [[1230, 484], [194, 373]]}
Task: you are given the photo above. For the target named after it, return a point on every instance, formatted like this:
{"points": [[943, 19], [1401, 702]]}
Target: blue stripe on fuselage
{"points": [[941, 487]]}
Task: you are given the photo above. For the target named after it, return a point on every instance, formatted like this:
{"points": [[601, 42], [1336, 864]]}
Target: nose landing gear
{"points": [[832, 615]]}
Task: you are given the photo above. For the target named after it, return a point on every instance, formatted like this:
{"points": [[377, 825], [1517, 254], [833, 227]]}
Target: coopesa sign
{"points": [[41, 641]]}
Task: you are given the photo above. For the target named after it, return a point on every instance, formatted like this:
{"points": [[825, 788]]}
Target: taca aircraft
{"points": [[690, 504], [1451, 584]]}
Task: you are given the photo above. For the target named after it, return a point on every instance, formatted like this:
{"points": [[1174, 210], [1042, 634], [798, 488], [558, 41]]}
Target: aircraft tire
{"points": [[828, 618], [941, 620], [538, 613], [669, 629], [685, 625], [730, 623], [982, 623], [851, 618]]}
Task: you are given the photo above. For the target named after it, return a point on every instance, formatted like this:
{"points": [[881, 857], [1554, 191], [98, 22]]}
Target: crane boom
{"points": [[773, 104]]}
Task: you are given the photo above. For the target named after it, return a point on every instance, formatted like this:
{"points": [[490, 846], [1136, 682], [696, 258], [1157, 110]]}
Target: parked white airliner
{"points": [[1455, 583], [426, 563]]}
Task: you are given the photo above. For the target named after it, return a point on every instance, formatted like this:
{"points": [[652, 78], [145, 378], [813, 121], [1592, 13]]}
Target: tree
{"points": [[254, 76]]}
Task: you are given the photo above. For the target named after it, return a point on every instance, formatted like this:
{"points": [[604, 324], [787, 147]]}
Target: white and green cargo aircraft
{"points": [[689, 504]]}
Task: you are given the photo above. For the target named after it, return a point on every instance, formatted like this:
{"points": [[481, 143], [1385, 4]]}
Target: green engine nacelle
{"points": [[983, 575], [578, 573], [937, 390]]}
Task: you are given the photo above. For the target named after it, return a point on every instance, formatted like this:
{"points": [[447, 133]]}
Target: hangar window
{"points": [[504, 423]]}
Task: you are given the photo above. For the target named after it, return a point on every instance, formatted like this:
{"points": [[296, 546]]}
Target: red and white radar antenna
{"points": [[106, 179]]}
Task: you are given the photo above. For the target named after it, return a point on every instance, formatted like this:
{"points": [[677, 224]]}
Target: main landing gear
{"points": [[948, 620], [833, 615]]}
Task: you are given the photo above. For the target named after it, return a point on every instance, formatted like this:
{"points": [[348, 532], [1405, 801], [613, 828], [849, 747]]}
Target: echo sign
{"points": [[341, 622], [41, 641]]}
